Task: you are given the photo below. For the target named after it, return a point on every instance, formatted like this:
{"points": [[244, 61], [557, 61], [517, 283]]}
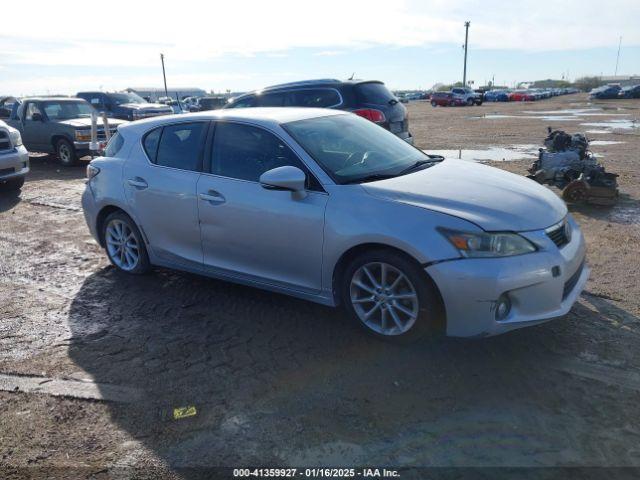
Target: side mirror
{"points": [[285, 178], [37, 117]]}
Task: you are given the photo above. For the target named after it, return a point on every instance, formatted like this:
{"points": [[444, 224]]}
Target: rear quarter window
{"points": [[376, 93], [114, 146], [150, 143]]}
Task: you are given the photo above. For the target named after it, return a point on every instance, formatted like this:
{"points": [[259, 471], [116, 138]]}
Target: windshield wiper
{"points": [[369, 178], [432, 159]]}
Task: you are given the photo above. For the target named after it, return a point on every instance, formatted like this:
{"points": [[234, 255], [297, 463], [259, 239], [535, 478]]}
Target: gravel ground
{"points": [[279, 381]]}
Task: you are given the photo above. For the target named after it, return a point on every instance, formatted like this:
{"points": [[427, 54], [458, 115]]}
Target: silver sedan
{"points": [[327, 206]]}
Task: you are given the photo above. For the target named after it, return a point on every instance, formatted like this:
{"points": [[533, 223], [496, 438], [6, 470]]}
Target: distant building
{"points": [[623, 80], [154, 94]]}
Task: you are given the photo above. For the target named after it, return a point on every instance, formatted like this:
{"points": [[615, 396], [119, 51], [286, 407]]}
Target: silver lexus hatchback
{"points": [[327, 206]]}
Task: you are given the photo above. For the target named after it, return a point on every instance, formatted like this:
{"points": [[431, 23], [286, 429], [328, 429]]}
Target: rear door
{"points": [[269, 236], [377, 96], [161, 189]]}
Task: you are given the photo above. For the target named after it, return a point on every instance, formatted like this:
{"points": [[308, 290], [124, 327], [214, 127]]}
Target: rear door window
{"points": [[318, 98], [180, 146], [374, 92]]}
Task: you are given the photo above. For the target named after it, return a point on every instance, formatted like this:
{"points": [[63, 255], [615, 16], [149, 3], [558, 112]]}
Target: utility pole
{"points": [[164, 76], [618, 57], [466, 45]]}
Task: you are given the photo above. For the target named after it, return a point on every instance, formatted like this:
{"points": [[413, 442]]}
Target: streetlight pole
{"points": [[618, 57], [466, 45], [164, 76]]}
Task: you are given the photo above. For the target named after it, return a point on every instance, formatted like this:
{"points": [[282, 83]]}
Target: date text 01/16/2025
{"points": [[316, 472]]}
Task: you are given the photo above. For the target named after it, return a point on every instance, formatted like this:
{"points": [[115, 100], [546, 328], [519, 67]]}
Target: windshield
{"points": [[351, 149], [120, 98], [67, 110]]}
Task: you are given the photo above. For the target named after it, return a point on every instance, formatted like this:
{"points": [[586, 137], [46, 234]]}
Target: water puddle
{"points": [[548, 118], [604, 142], [615, 124], [498, 154], [598, 132]]}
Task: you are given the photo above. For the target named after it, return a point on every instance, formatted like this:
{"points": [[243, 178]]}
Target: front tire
{"points": [[124, 244], [66, 153], [13, 185], [390, 296], [433, 103]]}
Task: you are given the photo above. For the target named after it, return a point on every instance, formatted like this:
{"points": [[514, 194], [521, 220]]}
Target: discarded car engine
{"points": [[567, 163]]}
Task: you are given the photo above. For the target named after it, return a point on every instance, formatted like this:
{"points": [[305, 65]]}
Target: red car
{"points": [[445, 99], [521, 96]]}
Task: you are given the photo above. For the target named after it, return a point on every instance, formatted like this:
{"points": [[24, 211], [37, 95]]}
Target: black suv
{"points": [[370, 99]]}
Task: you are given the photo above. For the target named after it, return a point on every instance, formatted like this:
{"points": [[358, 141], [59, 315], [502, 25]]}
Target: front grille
{"points": [[5, 143], [6, 171], [570, 284], [558, 235]]}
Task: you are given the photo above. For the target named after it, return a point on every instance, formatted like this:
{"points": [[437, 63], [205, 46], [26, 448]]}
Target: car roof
{"points": [[267, 116], [53, 99], [325, 82]]}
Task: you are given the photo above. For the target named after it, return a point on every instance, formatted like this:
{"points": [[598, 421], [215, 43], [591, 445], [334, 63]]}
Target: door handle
{"points": [[212, 196], [138, 183]]}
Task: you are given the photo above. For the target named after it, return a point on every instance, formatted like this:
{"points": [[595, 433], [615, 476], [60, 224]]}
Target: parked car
{"points": [[496, 96], [14, 159], [124, 105], [369, 99], [326, 206], [605, 92], [57, 125], [467, 96], [445, 99], [521, 96], [631, 91]]}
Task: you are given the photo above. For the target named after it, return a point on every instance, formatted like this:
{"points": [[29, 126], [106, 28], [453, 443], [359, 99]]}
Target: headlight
{"points": [[83, 135], [475, 245], [15, 137]]}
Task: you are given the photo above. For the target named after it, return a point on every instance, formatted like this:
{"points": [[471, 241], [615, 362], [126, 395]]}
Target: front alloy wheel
{"points": [[384, 298]]}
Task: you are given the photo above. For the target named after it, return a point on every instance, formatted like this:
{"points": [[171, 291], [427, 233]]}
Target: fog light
{"points": [[503, 307]]}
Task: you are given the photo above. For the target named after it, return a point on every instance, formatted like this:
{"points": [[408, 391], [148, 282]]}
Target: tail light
{"points": [[372, 114]]}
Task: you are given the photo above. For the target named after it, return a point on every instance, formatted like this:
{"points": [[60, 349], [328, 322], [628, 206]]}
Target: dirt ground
{"points": [[102, 359]]}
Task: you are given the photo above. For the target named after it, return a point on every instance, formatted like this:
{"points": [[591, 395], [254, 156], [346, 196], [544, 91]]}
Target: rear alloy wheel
{"points": [[390, 296], [124, 244], [66, 153]]}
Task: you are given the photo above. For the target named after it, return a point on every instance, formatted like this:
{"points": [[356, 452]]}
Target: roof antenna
{"points": [[352, 75]]}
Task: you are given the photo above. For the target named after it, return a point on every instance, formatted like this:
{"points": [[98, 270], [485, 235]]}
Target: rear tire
{"points": [[66, 153], [13, 185], [124, 244], [391, 297], [433, 103]]}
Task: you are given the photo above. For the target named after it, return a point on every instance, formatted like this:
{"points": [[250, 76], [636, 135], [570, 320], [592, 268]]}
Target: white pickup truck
{"points": [[467, 96], [14, 159]]}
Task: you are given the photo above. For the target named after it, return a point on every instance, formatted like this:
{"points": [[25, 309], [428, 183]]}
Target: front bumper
{"points": [[14, 163], [470, 287]]}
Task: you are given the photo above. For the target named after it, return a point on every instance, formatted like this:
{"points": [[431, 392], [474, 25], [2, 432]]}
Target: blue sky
{"points": [[249, 44]]}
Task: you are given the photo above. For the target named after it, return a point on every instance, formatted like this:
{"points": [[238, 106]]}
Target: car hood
{"points": [[86, 122], [491, 198], [145, 106]]}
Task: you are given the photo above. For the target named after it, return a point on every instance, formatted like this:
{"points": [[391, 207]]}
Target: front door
{"points": [[161, 186], [35, 133], [263, 235]]}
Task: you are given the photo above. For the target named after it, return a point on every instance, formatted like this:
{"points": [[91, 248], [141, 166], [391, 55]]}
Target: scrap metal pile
{"points": [[567, 163]]}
